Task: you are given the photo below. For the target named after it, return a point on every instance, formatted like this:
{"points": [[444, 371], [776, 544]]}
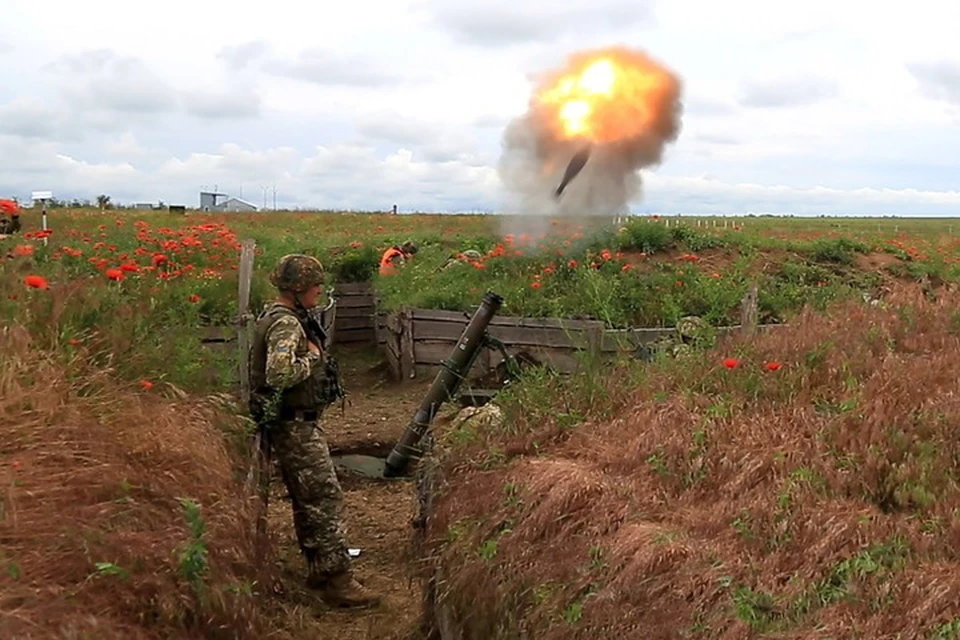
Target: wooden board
{"points": [[356, 306], [380, 327], [407, 351], [508, 321], [353, 336], [346, 302], [345, 324], [430, 355], [418, 340], [514, 335], [355, 312], [247, 257], [353, 288]]}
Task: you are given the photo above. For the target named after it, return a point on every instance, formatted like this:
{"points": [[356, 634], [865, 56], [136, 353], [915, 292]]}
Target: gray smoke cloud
{"points": [[632, 129]]}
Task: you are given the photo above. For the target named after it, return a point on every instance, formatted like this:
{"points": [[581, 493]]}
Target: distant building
{"points": [[235, 204], [208, 202]]}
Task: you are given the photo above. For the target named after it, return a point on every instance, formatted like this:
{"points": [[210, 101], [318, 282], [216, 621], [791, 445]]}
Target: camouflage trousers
{"points": [[306, 466]]}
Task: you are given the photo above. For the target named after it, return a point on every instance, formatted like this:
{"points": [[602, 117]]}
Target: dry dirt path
{"points": [[378, 515]]}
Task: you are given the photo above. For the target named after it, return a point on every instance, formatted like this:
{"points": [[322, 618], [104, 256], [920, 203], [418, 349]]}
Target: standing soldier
{"points": [[291, 386], [12, 224]]}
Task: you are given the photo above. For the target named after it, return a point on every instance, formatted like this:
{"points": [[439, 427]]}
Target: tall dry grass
{"points": [[93, 526], [820, 499]]}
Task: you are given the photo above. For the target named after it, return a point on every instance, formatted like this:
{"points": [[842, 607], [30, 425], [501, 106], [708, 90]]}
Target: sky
{"points": [[821, 107]]}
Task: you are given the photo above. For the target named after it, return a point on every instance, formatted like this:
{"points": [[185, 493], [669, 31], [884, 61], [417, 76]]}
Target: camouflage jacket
{"points": [[281, 364], [289, 359]]}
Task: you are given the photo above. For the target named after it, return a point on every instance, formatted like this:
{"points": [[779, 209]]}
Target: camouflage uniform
{"points": [[289, 396], [690, 331], [466, 257]]}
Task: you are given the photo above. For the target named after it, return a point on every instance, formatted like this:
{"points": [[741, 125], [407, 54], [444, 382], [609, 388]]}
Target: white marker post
{"points": [[42, 197]]}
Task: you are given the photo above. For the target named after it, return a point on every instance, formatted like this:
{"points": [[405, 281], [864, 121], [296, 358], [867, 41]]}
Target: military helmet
{"points": [[296, 273], [472, 254], [690, 326]]}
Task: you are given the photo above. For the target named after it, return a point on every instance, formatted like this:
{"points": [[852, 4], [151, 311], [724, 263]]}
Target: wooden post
{"points": [[43, 222], [407, 356], [259, 474], [749, 311], [243, 319], [378, 332], [593, 337], [392, 345]]}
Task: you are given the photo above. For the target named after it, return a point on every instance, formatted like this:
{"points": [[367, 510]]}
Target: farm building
{"points": [[208, 202], [235, 204]]}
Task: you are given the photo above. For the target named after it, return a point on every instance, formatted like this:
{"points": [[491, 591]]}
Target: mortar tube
{"points": [[452, 372]]}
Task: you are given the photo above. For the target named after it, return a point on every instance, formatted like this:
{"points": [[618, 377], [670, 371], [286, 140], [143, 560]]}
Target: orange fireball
{"points": [[608, 95]]}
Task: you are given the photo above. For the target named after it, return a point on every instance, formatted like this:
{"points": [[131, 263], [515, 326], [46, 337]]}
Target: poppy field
{"points": [[139, 289], [800, 483], [136, 284]]}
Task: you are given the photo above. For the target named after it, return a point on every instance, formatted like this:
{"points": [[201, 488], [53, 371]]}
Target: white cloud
{"points": [[497, 23], [825, 106], [242, 102]]}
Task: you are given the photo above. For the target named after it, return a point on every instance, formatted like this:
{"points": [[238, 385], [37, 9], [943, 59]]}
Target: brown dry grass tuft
{"points": [[93, 471], [818, 500]]}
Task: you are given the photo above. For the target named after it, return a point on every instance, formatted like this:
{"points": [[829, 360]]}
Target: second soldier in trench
{"points": [[290, 390]]}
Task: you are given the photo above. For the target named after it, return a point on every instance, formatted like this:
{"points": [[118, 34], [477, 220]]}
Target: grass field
{"points": [[141, 282], [802, 484]]}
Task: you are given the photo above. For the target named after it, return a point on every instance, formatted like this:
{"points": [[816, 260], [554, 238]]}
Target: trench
{"points": [[360, 465], [366, 466]]}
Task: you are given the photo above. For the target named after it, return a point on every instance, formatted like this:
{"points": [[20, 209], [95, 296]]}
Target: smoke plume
{"points": [[621, 104]]}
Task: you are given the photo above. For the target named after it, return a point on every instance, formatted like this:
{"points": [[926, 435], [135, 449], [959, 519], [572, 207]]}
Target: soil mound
{"points": [[802, 483], [122, 514]]}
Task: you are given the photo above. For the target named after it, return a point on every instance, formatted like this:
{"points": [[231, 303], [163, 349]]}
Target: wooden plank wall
{"points": [[416, 341], [356, 313]]}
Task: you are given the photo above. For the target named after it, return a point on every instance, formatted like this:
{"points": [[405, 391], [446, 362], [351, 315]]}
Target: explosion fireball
{"points": [[605, 115]]}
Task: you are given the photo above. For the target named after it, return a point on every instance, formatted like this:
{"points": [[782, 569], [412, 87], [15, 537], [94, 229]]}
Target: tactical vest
{"points": [[265, 402]]}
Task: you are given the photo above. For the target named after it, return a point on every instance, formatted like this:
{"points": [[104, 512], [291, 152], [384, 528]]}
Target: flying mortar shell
{"points": [[576, 165]]}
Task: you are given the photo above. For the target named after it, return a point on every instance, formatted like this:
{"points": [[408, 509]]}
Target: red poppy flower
{"points": [[731, 363], [772, 366], [36, 282]]}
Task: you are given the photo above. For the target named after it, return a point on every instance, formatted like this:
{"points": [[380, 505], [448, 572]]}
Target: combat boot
{"points": [[343, 590]]}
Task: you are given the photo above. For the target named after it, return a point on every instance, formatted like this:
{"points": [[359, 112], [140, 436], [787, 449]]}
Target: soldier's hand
{"points": [[314, 349]]}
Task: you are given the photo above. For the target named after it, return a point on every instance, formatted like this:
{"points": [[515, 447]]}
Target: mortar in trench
{"points": [[416, 443], [369, 460], [438, 622]]}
